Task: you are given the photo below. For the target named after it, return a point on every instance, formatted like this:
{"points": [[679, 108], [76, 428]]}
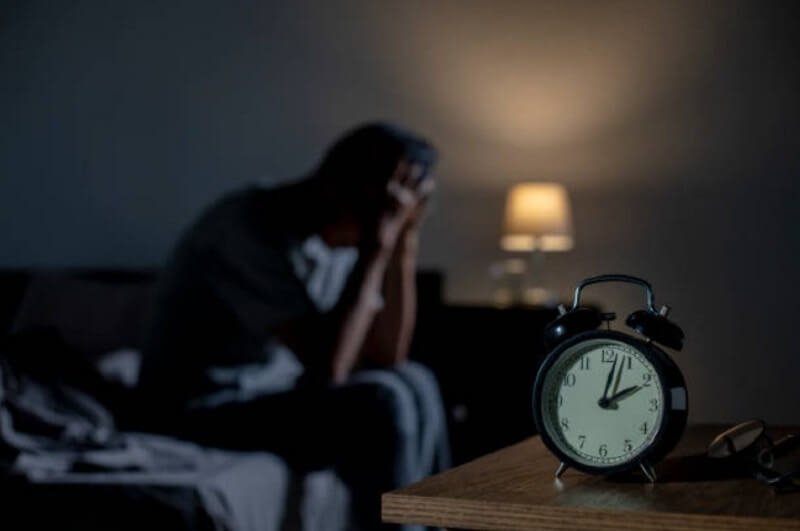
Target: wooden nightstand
{"points": [[515, 488]]}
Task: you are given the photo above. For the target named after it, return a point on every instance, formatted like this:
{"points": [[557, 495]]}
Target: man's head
{"points": [[357, 168]]}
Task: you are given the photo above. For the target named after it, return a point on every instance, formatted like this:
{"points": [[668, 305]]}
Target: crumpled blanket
{"points": [[63, 446], [52, 428]]}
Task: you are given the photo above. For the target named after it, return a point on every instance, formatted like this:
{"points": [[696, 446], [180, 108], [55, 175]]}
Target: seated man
{"points": [[285, 319]]}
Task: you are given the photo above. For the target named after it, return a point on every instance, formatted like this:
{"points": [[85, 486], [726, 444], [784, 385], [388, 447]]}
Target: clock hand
{"points": [[619, 376], [609, 378], [625, 393], [603, 402]]}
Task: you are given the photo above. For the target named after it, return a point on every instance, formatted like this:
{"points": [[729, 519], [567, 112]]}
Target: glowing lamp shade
{"points": [[537, 218]]}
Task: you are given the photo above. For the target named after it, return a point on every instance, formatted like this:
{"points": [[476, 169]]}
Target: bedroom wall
{"points": [[674, 126]]}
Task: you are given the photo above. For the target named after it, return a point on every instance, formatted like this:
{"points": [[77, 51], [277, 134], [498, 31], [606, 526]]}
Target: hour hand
{"points": [[625, 393]]}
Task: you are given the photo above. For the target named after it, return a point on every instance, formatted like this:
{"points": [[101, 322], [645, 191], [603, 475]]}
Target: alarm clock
{"points": [[607, 402]]}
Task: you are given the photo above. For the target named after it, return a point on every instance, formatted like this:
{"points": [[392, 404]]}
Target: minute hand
{"points": [[608, 380], [625, 393]]}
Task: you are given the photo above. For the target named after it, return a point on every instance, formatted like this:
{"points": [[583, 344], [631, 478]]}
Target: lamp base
{"points": [[539, 296], [516, 284]]}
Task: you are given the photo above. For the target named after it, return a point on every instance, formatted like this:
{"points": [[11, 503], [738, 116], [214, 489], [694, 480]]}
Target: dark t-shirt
{"points": [[238, 273]]}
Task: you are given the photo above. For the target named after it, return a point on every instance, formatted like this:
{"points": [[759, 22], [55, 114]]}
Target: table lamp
{"points": [[538, 220]]}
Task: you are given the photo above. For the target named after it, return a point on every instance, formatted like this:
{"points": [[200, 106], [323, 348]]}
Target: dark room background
{"points": [[673, 124]]}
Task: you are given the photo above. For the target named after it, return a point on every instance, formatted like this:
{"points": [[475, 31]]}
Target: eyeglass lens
{"points": [[736, 439]]}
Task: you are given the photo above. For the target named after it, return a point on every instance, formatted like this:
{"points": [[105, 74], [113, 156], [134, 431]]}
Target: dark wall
{"points": [[675, 126]]}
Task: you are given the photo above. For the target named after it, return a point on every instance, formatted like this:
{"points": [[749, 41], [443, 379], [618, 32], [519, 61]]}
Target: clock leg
{"points": [[562, 467], [648, 471]]}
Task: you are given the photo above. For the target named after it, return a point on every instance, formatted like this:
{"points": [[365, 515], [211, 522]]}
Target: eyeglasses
{"points": [[776, 463]]}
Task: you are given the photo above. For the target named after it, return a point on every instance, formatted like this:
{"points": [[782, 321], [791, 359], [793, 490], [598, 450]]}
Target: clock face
{"points": [[602, 402]]}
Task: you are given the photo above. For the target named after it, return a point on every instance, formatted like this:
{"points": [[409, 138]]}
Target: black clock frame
{"points": [[673, 421]]}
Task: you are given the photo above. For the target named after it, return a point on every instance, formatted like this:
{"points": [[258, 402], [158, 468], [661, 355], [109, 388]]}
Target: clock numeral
{"points": [[569, 379], [653, 404], [603, 450], [628, 361], [565, 424], [585, 363], [628, 447], [608, 356], [582, 440], [643, 428], [647, 377], [560, 400]]}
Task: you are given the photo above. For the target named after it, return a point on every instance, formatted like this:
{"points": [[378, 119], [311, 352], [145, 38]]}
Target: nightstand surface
{"points": [[515, 488]]}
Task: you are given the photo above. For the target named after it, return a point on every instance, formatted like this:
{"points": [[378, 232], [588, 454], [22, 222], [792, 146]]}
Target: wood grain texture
{"points": [[515, 488]]}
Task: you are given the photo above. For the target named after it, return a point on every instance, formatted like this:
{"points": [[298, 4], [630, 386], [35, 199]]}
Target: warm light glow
{"points": [[546, 88], [537, 217]]}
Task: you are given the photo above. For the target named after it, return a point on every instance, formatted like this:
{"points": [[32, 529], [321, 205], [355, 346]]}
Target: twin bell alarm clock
{"points": [[608, 402]]}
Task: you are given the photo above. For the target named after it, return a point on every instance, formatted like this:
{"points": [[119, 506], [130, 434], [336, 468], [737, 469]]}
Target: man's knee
{"points": [[388, 404], [420, 377]]}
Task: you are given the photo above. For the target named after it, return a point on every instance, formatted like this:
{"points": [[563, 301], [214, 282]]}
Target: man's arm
{"points": [[389, 338], [353, 320], [329, 345], [346, 328]]}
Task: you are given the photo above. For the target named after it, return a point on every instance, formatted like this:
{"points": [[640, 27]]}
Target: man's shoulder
{"points": [[243, 211], [233, 203]]}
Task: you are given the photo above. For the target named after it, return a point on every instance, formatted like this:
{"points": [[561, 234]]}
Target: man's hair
{"points": [[365, 158]]}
